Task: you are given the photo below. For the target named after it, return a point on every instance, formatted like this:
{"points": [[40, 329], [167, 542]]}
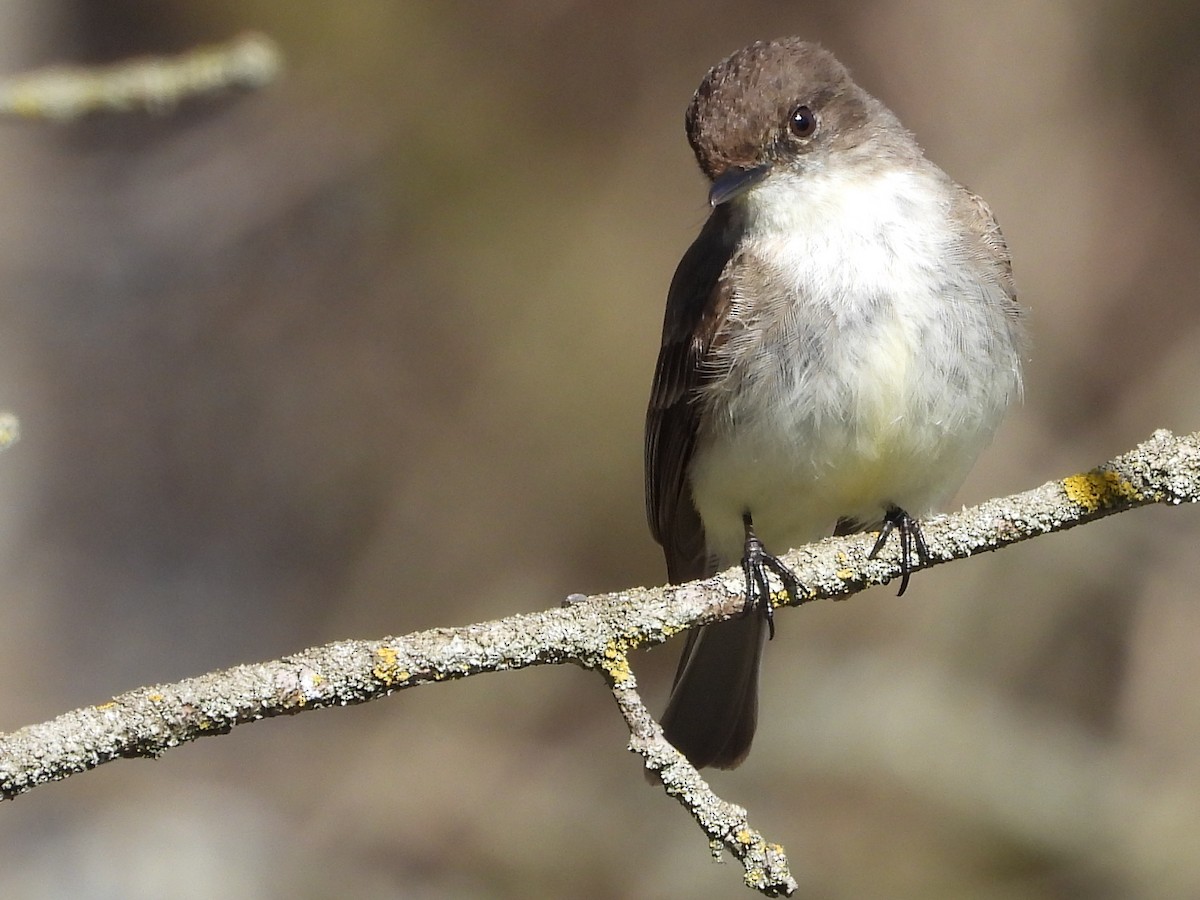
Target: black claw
{"points": [[755, 563], [912, 543]]}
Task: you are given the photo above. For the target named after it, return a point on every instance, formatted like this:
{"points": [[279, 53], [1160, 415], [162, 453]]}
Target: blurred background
{"points": [[368, 352]]}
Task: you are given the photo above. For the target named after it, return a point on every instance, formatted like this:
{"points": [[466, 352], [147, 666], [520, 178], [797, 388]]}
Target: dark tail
{"points": [[714, 703]]}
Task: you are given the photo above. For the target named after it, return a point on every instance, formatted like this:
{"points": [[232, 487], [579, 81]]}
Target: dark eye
{"points": [[802, 122]]}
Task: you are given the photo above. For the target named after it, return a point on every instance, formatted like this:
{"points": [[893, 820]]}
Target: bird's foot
{"points": [[913, 551], [756, 562]]}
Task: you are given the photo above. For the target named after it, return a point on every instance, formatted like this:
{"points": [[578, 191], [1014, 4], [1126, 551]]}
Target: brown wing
{"points": [[990, 246], [989, 251], [694, 304]]}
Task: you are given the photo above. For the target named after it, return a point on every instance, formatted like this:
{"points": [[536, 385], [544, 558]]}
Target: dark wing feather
{"points": [[694, 309]]}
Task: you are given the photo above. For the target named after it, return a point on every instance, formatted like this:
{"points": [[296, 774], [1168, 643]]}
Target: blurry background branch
{"points": [[596, 633], [10, 429], [154, 84]]}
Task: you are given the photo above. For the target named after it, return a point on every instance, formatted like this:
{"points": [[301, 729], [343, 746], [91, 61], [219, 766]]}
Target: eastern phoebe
{"points": [[840, 342]]}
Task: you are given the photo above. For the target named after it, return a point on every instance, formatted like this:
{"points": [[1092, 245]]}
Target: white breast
{"points": [[867, 362]]}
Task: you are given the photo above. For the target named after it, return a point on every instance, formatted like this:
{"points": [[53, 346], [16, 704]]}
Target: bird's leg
{"points": [[755, 563], [912, 542]]}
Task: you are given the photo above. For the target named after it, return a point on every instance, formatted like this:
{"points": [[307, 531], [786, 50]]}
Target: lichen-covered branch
{"points": [[155, 84], [596, 633], [725, 824]]}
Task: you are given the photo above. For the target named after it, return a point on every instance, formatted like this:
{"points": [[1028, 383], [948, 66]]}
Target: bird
{"points": [[839, 343]]}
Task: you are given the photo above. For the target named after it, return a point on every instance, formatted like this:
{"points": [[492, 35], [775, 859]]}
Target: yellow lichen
{"points": [[616, 664], [388, 669], [1098, 489]]}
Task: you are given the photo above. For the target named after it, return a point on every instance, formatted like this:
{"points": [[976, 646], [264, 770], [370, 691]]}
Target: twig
{"points": [[10, 429], [154, 84], [726, 824]]}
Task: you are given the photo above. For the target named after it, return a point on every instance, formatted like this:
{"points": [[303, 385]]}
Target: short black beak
{"points": [[735, 182]]}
